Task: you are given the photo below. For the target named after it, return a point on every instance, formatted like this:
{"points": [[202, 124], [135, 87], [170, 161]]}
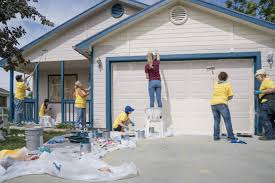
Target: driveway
{"points": [[191, 159]]}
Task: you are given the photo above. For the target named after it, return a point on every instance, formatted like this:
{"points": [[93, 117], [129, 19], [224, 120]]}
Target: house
{"points": [[108, 53], [4, 98]]}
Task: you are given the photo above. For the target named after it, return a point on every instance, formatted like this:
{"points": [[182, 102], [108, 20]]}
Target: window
{"points": [[117, 11], [54, 88], [3, 101]]}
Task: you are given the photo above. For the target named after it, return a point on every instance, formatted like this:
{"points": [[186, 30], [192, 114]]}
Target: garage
{"points": [[186, 92]]}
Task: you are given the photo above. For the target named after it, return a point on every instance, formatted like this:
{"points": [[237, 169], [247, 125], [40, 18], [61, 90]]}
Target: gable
{"points": [[230, 15]]}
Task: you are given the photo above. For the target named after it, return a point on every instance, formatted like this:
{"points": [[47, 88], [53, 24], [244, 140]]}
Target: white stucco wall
{"points": [[202, 33]]}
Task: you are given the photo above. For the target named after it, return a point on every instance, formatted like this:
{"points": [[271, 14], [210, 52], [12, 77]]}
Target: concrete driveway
{"points": [[192, 159]]}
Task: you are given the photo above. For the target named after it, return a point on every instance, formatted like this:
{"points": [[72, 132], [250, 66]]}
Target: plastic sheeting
{"points": [[66, 162]]}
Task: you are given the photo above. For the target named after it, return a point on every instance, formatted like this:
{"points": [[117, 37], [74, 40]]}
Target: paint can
{"points": [[151, 130], [106, 135], [140, 134], [126, 137], [34, 138]]}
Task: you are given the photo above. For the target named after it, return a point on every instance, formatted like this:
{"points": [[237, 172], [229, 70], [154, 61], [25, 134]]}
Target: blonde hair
{"points": [[77, 84], [150, 59]]}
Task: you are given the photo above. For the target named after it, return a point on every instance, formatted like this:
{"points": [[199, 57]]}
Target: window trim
{"points": [[48, 90]]}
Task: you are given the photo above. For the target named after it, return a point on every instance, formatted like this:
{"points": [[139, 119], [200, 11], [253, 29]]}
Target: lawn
{"points": [[17, 140]]}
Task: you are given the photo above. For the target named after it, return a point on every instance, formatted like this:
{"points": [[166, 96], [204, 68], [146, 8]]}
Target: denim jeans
{"points": [[218, 111], [19, 111], [80, 117], [267, 121], [155, 87]]}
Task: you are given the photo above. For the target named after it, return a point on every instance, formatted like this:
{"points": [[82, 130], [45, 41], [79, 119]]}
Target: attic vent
{"points": [[178, 15], [117, 10]]}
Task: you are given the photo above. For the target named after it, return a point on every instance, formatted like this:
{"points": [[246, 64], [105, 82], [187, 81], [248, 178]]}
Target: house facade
{"points": [[109, 54]]}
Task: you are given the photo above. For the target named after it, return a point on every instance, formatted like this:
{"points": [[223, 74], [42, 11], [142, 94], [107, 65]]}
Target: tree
{"points": [[9, 35], [263, 9]]}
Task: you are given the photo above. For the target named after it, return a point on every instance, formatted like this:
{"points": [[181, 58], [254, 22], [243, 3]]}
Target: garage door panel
{"points": [[186, 91]]}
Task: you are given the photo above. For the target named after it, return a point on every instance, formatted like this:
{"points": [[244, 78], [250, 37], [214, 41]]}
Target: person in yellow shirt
{"points": [[80, 104], [122, 120], [267, 113], [20, 94], [223, 92], [44, 108]]}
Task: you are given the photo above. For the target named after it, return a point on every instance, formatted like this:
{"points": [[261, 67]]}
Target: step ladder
{"points": [[153, 117]]}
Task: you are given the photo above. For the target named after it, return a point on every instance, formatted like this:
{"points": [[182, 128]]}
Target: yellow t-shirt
{"points": [[266, 84], [42, 111], [221, 93], [20, 90], [80, 102], [122, 117]]}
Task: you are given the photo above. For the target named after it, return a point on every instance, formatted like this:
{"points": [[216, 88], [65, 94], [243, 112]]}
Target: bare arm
{"points": [[158, 56], [82, 93], [269, 91], [147, 76], [121, 124]]}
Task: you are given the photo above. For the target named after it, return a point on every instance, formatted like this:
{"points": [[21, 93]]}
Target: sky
{"points": [[58, 11]]}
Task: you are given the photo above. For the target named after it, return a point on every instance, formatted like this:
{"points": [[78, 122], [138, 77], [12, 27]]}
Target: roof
{"points": [[75, 20], [83, 46], [4, 92]]}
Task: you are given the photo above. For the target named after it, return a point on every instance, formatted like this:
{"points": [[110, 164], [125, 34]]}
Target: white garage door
{"points": [[186, 92]]}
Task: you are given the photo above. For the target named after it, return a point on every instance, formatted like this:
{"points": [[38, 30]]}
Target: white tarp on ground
{"points": [[67, 163]]}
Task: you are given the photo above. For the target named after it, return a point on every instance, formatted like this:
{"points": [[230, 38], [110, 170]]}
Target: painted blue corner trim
{"points": [[37, 94], [11, 114], [92, 89], [62, 91], [84, 45], [256, 56]]}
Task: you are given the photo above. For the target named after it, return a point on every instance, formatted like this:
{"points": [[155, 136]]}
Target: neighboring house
{"points": [[190, 36], [4, 98]]}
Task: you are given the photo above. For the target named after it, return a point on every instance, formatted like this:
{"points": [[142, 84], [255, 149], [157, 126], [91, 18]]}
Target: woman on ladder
{"points": [[153, 75]]}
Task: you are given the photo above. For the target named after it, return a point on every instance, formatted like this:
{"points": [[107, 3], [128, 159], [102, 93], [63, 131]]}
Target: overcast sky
{"points": [[58, 11]]}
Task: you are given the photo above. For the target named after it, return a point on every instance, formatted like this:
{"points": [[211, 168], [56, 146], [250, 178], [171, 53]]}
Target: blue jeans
{"points": [[218, 111], [80, 117], [155, 87], [267, 120], [19, 111]]}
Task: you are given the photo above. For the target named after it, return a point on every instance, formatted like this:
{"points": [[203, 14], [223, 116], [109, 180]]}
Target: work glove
{"points": [[257, 92]]}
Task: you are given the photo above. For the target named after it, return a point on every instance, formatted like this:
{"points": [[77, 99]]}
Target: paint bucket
{"points": [[126, 137], [140, 134], [34, 138], [151, 130], [106, 135], [85, 147]]}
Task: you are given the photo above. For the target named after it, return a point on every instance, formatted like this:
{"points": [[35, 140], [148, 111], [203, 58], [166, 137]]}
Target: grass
{"points": [[15, 140]]}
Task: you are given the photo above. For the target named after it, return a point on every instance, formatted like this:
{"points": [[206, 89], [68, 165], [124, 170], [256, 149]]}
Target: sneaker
{"points": [[217, 138], [230, 138], [264, 138]]}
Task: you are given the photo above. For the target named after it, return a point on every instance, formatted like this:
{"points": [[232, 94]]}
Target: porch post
{"points": [[91, 59], [62, 92], [11, 111], [36, 74]]}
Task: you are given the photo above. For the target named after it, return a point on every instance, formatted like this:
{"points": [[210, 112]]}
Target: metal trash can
{"points": [[34, 138]]}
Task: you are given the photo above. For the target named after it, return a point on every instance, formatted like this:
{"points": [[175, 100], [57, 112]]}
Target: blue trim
{"points": [[62, 92], [11, 116], [92, 89], [84, 45], [256, 56], [74, 20], [37, 94]]}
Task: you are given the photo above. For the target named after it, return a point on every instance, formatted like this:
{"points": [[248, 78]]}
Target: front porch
{"points": [[55, 81]]}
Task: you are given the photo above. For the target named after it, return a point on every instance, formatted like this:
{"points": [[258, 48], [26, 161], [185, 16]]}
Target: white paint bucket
{"points": [[34, 138]]}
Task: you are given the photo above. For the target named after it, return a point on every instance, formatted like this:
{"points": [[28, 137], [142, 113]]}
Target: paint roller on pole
{"points": [[36, 66]]}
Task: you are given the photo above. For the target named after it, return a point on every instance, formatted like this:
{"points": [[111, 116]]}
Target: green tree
{"points": [[263, 9], [9, 35]]}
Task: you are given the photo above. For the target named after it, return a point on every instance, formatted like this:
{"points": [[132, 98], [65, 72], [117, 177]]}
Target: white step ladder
{"points": [[153, 116]]}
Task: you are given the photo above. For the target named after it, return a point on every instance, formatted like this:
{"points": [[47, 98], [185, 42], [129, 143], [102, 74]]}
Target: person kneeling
{"points": [[122, 121]]}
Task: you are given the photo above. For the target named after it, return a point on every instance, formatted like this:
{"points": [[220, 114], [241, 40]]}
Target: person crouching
{"points": [[122, 120]]}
